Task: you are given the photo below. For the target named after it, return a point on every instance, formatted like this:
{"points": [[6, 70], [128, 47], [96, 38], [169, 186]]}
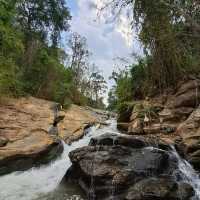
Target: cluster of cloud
{"points": [[107, 38]]}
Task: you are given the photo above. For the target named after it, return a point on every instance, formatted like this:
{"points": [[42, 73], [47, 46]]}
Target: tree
{"points": [[98, 85], [169, 31], [11, 47], [112, 99], [79, 57], [38, 18]]}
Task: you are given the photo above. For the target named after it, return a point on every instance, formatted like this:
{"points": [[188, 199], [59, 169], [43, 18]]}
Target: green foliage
{"points": [[40, 19], [28, 65], [151, 112], [10, 48], [112, 100], [125, 106], [170, 34]]}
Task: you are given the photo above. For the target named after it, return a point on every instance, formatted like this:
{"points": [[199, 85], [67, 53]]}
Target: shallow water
{"points": [[44, 183], [189, 175]]}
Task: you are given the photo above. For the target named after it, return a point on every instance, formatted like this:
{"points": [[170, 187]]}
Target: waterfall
{"points": [[44, 183], [189, 174], [40, 183]]}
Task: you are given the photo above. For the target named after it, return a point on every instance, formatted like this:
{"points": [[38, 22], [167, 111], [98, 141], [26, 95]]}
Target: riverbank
{"points": [[157, 157], [47, 181], [25, 141], [122, 167], [173, 117]]}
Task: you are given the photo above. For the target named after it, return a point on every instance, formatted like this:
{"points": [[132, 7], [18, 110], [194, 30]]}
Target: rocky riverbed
{"points": [[129, 167], [173, 116], [27, 126], [153, 159]]}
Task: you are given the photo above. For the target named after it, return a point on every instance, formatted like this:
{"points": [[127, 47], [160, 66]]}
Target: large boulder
{"points": [[187, 95], [29, 128], [76, 120], [189, 131], [115, 166], [188, 99], [161, 189], [24, 159], [24, 138]]}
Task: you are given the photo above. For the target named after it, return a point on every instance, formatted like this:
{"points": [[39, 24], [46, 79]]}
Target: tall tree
{"points": [[79, 57], [11, 47], [98, 84], [169, 31], [39, 18]]}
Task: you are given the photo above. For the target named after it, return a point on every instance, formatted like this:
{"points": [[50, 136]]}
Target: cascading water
{"points": [[44, 183], [40, 183], [189, 175]]}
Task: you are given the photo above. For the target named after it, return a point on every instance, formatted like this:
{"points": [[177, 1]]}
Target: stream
{"points": [[44, 183]]}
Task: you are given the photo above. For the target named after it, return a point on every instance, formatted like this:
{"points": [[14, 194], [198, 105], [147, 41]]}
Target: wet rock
{"points": [[136, 127], [113, 139], [119, 165], [20, 161], [122, 126], [29, 128], [160, 188], [25, 141]]}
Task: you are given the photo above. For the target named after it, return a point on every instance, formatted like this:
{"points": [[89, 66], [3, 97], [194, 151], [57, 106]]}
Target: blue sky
{"points": [[105, 40]]}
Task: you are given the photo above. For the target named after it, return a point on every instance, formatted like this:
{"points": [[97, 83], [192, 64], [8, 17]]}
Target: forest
{"points": [[32, 61], [169, 31], [61, 138]]}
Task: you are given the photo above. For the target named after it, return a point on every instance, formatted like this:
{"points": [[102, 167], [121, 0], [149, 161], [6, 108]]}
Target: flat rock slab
{"points": [[24, 123], [76, 120]]}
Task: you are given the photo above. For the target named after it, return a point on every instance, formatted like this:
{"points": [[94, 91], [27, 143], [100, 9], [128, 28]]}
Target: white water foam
{"points": [[31, 184]]}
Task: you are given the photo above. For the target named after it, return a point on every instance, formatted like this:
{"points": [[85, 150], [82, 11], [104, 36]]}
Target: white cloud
{"points": [[106, 39]]}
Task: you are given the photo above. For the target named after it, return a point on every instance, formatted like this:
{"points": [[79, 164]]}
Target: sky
{"points": [[106, 40]]}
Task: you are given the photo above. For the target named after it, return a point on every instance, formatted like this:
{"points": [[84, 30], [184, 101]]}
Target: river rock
{"points": [[24, 138], [160, 188], [29, 128], [189, 131], [136, 127], [77, 119], [116, 166], [177, 118]]}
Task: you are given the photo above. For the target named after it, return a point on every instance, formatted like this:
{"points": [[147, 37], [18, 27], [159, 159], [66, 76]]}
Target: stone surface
{"points": [[29, 128], [127, 167], [178, 119], [189, 131], [123, 126], [77, 119], [25, 123], [160, 188], [136, 127]]}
